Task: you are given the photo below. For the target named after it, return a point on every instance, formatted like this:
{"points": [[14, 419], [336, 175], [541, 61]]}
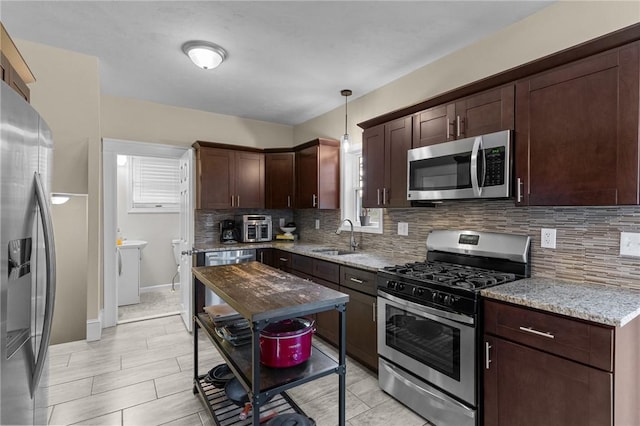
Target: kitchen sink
{"points": [[333, 251]]}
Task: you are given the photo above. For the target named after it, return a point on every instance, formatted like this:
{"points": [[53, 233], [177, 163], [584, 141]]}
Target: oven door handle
{"points": [[477, 187], [464, 319]]}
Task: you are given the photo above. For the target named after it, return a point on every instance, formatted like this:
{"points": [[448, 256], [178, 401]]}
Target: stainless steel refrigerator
{"points": [[27, 281]]}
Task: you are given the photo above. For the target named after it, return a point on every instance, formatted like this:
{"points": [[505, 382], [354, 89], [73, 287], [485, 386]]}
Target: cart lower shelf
{"points": [[226, 413]]}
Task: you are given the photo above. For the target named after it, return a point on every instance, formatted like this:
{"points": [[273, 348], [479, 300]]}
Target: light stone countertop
{"points": [[601, 304], [362, 259]]}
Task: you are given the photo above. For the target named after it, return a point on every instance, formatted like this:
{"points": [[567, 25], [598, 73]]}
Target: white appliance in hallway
{"points": [[27, 274]]}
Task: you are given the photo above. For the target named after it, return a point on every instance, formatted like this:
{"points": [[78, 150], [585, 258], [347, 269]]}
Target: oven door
{"points": [[476, 167], [436, 346]]}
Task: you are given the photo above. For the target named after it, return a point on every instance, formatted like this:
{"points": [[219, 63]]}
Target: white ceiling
{"points": [[287, 60]]}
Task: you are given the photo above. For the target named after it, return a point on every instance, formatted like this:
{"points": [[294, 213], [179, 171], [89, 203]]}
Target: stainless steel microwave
{"points": [[478, 167]]}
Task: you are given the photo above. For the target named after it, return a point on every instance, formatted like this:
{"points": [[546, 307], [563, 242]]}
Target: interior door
{"points": [[186, 235]]}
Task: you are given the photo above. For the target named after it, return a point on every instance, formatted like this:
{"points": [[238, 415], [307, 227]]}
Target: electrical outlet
{"points": [[317, 223], [282, 221], [548, 238], [630, 244], [403, 228]]}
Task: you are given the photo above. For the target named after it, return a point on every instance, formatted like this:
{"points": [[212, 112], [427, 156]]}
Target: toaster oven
{"points": [[254, 228]]}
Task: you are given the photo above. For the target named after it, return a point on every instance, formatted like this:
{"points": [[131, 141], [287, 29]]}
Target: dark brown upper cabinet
{"points": [[279, 180], [577, 132], [318, 174], [228, 178], [385, 164], [486, 112]]}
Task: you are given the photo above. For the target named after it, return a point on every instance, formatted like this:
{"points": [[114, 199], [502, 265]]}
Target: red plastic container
{"points": [[286, 343]]}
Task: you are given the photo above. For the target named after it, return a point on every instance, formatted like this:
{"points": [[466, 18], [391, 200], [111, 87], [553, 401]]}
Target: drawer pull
{"points": [[355, 280], [487, 355], [284, 259], [537, 333]]}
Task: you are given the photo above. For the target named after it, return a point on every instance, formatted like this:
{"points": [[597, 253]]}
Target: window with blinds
{"points": [[155, 184]]}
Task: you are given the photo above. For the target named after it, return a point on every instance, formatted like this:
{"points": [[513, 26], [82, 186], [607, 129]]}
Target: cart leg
{"points": [[343, 365], [194, 327]]}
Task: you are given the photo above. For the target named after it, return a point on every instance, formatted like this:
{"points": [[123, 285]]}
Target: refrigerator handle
{"points": [[50, 256]]}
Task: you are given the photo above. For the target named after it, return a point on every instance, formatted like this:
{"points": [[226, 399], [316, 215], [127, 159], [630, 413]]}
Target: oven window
{"points": [[427, 341]]}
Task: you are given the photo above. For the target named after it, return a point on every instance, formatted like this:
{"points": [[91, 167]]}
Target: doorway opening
{"points": [[141, 230]]}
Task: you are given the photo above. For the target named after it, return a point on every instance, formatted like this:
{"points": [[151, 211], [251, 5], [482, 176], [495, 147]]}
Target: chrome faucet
{"points": [[353, 242]]}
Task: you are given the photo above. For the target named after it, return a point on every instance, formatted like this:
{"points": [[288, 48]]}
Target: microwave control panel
{"points": [[494, 158]]}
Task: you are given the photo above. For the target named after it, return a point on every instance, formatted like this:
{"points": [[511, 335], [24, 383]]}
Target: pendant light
{"points": [[345, 140]]}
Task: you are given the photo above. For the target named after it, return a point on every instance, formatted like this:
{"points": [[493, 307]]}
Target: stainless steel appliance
{"points": [[227, 257], [27, 278], [429, 320], [478, 167], [254, 228]]}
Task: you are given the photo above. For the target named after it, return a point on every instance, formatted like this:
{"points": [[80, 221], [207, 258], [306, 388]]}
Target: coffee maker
{"points": [[228, 232]]}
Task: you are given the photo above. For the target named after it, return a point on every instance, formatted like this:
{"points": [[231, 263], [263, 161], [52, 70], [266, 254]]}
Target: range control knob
{"points": [[434, 296], [400, 286], [418, 292], [391, 284], [447, 300]]}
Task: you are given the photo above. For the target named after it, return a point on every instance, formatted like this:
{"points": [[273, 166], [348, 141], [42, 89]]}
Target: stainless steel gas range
{"points": [[429, 321]]}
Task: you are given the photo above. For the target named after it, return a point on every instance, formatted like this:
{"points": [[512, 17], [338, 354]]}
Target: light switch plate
{"points": [[317, 223], [630, 244], [403, 228]]}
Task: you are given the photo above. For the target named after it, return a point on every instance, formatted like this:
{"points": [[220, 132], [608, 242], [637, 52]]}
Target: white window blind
{"points": [[352, 185], [155, 183]]}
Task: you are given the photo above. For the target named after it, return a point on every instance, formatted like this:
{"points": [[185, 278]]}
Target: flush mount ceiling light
{"points": [[204, 54], [344, 140]]}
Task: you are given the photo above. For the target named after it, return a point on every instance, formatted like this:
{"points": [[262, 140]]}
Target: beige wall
{"points": [[67, 95], [131, 119], [559, 26], [70, 233]]}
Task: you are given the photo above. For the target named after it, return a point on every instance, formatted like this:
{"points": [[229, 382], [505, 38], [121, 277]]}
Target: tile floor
{"points": [[140, 373], [155, 302]]}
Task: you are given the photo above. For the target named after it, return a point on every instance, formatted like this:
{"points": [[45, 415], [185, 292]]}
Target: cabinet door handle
{"points": [[519, 190], [537, 333], [288, 200], [355, 280], [457, 126], [378, 194], [284, 259], [232, 204], [373, 305], [238, 203], [314, 200], [384, 196], [487, 355], [261, 257], [450, 125]]}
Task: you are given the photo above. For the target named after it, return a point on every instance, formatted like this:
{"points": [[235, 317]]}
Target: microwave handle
{"points": [[477, 187]]}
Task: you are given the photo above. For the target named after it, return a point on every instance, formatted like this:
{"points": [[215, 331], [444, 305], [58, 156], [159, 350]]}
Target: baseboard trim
{"points": [[94, 328], [158, 287]]}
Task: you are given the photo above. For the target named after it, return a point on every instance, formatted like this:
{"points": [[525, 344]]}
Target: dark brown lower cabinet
{"points": [[361, 328], [542, 368], [265, 256], [327, 321], [528, 387], [359, 284]]}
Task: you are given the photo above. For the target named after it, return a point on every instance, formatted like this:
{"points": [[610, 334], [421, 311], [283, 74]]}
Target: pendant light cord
{"points": [[346, 114]]}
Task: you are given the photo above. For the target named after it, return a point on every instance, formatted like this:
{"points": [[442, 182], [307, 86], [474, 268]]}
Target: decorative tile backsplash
{"points": [[587, 242]]}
